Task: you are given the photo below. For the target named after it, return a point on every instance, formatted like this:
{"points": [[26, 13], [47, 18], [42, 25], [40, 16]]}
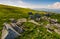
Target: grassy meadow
{"points": [[33, 32]]}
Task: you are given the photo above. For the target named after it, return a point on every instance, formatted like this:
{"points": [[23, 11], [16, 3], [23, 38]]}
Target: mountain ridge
{"points": [[48, 10]]}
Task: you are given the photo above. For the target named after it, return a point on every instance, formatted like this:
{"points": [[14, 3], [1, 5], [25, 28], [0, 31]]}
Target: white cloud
{"points": [[28, 5], [20, 3], [55, 5]]}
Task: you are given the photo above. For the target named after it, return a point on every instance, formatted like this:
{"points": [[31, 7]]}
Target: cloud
{"points": [[28, 5], [55, 5], [20, 3], [10, 2]]}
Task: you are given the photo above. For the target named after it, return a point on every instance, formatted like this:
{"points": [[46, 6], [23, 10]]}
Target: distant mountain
{"points": [[48, 10]]}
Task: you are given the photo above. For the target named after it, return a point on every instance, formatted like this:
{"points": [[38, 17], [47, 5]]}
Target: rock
{"points": [[53, 21], [49, 31], [17, 28], [8, 32], [13, 20], [21, 21], [34, 22], [57, 31]]}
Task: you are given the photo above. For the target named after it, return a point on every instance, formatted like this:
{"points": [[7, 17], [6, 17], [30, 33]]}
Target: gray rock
{"points": [[8, 32]]}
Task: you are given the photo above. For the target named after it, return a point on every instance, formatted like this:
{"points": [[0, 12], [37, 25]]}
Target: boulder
{"points": [[8, 32]]}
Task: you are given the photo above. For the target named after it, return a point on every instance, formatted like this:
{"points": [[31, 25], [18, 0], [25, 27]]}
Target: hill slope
{"points": [[33, 32], [7, 12]]}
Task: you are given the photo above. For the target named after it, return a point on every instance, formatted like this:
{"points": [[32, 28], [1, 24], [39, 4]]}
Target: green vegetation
{"points": [[31, 31], [56, 16], [37, 32], [7, 12]]}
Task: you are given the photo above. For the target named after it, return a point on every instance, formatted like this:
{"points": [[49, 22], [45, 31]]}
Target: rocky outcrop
{"points": [[9, 32], [34, 22], [12, 30]]}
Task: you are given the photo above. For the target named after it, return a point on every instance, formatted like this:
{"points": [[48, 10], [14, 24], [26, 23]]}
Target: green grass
{"points": [[7, 12], [31, 31], [37, 32]]}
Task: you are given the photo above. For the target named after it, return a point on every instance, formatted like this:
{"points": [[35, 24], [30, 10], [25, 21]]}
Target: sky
{"points": [[51, 4]]}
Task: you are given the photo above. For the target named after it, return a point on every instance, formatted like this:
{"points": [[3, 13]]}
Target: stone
{"points": [[37, 15], [34, 22], [8, 32], [13, 20], [57, 31], [30, 13], [22, 20], [32, 17], [53, 21], [17, 28]]}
